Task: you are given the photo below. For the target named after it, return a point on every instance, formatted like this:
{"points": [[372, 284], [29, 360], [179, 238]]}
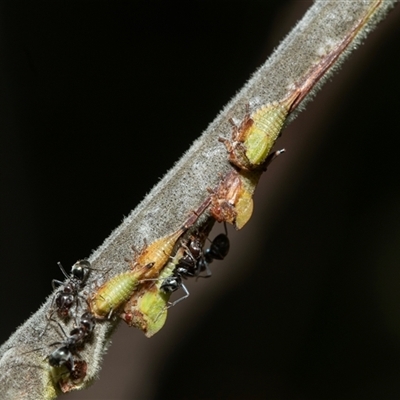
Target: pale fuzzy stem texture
{"points": [[24, 373]]}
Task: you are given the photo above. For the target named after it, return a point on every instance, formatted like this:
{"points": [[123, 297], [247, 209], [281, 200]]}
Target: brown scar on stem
{"points": [[224, 198], [232, 200], [323, 65], [197, 213], [245, 124], [234, 145]]}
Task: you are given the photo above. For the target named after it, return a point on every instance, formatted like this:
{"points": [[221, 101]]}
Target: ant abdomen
{"points": [[219, 248]]}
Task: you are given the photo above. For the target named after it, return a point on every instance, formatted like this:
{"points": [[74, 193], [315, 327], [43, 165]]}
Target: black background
{"points": [[99, 99]]}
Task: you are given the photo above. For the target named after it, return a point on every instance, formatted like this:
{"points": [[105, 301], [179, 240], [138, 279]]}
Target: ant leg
{"points": [[85, 300], [188, 252], [62, 330], [196, 213], [54, 282], [149, 280], [181, 298], [49, 318], [207, 275], [79, 305]]}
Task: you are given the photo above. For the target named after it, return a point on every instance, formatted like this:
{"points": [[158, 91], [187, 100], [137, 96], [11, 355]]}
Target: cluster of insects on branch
{"points": [[140, 295], [69, 304], [72, 303]]}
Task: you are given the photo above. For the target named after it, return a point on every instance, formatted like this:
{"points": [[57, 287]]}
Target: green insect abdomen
{"points": [[147, 309], [267, 124], [113, 293]]}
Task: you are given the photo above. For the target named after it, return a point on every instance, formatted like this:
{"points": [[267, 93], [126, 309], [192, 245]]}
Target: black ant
{"points": [[64, 355], [188, 265], [68, 295], [218, 250], [194, 262], [173, 283]]}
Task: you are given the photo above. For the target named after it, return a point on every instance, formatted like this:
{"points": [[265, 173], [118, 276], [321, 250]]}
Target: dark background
{"points": [[99, 99]]}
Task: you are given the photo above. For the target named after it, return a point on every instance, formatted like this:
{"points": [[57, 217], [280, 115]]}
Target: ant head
{"points": [[171, 284], [80, 270], [61, 356]]}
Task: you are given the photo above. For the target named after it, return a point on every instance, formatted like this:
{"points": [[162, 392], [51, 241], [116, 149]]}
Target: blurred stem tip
{"points": [[305, 59]]}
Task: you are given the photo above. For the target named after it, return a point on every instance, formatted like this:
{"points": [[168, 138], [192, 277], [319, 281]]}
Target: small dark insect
{"points": [[65, 354], [68, 296], [188, 265], [66, 358], [217, 251], [195, 261], [80, 334], [173, 283]]}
